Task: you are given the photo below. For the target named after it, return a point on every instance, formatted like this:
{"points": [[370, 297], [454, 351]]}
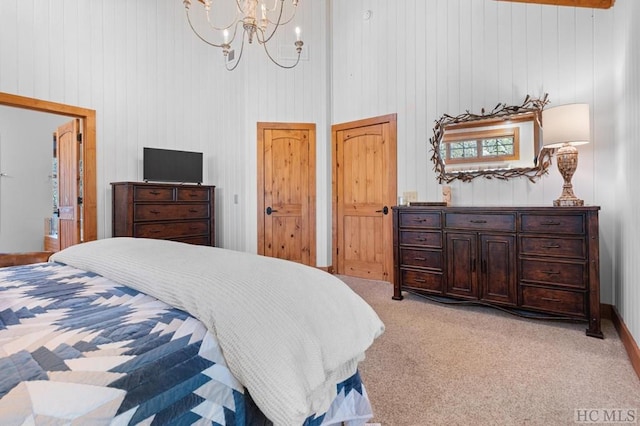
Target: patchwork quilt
{"points": [[78, 348]]}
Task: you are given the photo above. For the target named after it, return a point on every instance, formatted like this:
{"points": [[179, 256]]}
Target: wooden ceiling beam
{"points": [[597, 4]]}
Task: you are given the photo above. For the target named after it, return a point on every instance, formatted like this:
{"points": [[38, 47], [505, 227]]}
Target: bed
{"points": [[142, 331]]}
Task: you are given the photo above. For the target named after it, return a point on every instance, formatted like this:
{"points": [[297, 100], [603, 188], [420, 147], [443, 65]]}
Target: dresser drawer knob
{"points": [[551, 299], [478, 221], [154, 193], [419, 258], [193, 194], [419, 280], [154, 212], [552, 246], [551, 272], [193, 210], [550, 222]]}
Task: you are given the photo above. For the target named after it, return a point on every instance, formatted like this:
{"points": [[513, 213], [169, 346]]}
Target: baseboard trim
{"points": [[627, 339], [328, 269]]}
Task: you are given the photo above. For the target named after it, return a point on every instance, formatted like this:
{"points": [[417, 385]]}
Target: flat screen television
{"points": [[168, 165]]}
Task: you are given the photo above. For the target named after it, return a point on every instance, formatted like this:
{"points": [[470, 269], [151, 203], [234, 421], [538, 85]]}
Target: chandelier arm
{"points": [[234, 22], [275, 28], [235, 32], [237, 60], [280, 22], [275, 4], [198, 34], [277, 63]]}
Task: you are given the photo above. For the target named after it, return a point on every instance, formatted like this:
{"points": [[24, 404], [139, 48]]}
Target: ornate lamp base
{"points": [[568, 202], [567, 163]]}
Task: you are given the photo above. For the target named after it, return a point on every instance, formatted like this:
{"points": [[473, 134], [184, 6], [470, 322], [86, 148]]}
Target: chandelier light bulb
{"points": [[298, 31]]}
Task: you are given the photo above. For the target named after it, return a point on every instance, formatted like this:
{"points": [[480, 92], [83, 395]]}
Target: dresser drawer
{"points": [[553, 300], [555, 247], [558, 273], [553, 224], [493, 222], [171, 229], [420, 220], [430, 281], [193, 194], [421, 238], [170, 211], [202, 240], [421, 258], [145, 193]]}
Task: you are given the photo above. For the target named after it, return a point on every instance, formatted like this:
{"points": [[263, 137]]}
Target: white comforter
{"points": [[288, 332]]}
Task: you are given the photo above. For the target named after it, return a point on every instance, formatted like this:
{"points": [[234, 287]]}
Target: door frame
{"points": [[392, 119], [88, 126], [311, 188]]}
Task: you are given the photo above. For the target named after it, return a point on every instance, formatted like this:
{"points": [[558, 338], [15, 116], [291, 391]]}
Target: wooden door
{"points": [[462, 264], [69, 192], [286, 191], [498, 279], [364, 190]]}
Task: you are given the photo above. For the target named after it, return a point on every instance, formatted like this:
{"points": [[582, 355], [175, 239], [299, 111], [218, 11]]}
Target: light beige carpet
{"points": [[469, 365]]}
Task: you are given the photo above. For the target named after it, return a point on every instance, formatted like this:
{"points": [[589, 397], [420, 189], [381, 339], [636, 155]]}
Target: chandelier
{"points": [[247, 26]]}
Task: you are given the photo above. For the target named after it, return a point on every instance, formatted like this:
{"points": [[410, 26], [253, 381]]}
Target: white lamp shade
{"points": [[565, 124]]}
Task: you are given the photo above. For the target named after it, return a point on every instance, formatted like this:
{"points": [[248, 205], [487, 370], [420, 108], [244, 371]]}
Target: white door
{"points": [[26, 147]]}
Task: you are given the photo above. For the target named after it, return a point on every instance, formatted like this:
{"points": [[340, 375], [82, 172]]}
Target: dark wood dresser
{"points": [[541, 262], [164, 211]]}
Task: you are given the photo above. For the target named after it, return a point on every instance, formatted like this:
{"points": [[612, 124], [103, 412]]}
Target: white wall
{"points": [[26, 197], [624, 181], [423, 59], [152, 82]]}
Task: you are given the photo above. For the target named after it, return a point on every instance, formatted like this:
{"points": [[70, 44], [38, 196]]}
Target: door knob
{"points": [[385, 210], [270, 210]]}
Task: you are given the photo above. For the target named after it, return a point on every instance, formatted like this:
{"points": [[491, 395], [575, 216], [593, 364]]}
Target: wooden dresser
{"points": [[164, 211], [541, 262]]}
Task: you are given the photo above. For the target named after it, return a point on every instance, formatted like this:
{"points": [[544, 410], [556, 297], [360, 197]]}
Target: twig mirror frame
{"points": [[501, 111]]}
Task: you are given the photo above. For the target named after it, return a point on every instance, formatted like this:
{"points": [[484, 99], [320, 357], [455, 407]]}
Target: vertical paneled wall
{"points": [[423, 59], [152, 83], [627, 173], [298, 95]]}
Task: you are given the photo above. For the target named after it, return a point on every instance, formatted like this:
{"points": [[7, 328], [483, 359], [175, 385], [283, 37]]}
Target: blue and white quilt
{"points": [[78, 348]]}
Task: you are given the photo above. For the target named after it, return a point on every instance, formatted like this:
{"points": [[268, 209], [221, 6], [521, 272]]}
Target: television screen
{"points": [[168, 165]]}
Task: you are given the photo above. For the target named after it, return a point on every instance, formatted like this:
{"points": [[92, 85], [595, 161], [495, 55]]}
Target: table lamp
{"points": [[564, 127]]}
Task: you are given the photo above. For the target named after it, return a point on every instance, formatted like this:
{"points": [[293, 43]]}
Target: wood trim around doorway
{"points": [[88, 117]]}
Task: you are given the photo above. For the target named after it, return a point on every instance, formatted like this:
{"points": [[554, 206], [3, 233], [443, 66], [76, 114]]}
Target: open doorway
{"points": [[27, 178], [87, 119]]}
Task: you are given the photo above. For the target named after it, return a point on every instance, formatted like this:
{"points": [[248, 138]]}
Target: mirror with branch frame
{"points": [[502, 144]]}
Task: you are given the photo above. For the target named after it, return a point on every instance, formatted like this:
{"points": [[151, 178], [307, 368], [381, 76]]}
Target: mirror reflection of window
{"points": [[498, 144]]}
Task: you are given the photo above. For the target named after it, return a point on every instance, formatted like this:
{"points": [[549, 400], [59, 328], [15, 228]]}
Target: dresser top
{"points": [[498, 209], [164, 184]]}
